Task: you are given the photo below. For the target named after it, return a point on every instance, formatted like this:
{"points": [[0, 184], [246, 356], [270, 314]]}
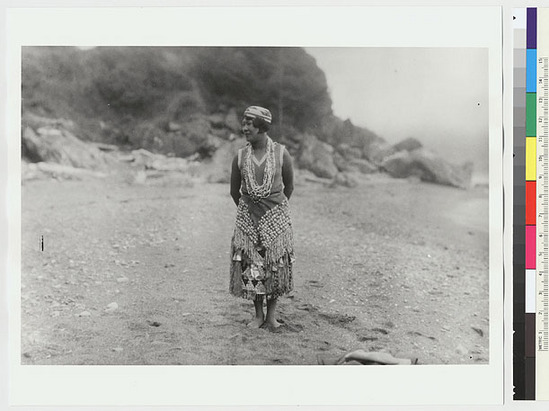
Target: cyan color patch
{"points": [[531, 71]]}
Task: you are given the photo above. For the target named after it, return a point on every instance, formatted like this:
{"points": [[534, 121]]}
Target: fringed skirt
{"points": [[262, 250]]}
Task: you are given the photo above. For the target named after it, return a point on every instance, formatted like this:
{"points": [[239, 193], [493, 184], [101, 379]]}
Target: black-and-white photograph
{"points": [[254, 205]]}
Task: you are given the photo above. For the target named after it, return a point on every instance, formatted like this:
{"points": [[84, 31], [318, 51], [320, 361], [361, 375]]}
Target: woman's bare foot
{"points": [[259, 314], [256, 322], [272, 323]]}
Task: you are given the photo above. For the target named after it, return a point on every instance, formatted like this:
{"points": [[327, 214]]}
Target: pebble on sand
{"points": [[111, 307], [460, 349], [122, 280]]}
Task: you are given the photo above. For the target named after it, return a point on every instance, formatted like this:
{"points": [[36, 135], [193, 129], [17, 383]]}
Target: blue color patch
{"points": [[531, 70]]}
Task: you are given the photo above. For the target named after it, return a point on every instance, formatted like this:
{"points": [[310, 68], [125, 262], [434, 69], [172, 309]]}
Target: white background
{"points": [[426, 384]]}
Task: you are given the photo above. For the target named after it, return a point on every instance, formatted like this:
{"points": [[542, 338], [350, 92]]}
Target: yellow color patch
{"points": [[530, 158]]}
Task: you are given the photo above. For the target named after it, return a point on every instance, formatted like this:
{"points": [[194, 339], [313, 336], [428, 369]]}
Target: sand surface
{"points": [[138, 274]]}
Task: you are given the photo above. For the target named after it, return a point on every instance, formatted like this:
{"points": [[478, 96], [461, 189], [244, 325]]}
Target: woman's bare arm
{"points": [[235, 181], [287, 174]]}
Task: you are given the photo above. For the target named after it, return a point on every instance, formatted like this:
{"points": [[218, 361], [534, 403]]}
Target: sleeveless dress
{"points": [[262, 246]]}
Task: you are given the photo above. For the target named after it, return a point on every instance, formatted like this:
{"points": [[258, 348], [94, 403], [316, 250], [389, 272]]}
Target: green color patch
{"points": [[530, 114]]}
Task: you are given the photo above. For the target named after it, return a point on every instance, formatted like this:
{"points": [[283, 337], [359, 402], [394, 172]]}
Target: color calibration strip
{"points": [[520, 187], [540, 83], [531, 204]]}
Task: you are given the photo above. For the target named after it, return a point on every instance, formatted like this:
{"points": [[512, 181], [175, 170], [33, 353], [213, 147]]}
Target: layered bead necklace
{"points": [[256, 191]]}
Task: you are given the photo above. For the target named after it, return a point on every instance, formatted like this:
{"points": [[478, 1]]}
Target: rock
{"points": [[349, 152], [193, 137], [342, 163], [478, 331], [106, 147], [35, 122], [218, 168], [461, 350], [60, 146], [209, 146], [37, 170], [111, 307], [122, 280], [428, 167], [217, 120], [354, 164], [163, 163], [173, 126], [378, 151], [317, 157], [345, 180], [142, 157], [84, 314], [232, 121], [49, 132], [118, 349], [364, 166], [335, 131], [408, 144]]}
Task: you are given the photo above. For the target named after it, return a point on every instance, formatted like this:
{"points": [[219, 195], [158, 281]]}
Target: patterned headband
{"points": [[256, 111]]}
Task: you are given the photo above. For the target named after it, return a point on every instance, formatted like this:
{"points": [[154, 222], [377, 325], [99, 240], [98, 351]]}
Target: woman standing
{"points": [[262, 243]]}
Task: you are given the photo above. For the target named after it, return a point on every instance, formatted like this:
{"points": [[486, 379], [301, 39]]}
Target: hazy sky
{"points": [[437, 95]]}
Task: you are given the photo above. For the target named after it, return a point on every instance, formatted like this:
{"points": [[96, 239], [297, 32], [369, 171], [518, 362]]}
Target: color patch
{"points": [[531, 158], [531, 70], [531, 27], [531, 203], [530, 291], [531, 124], [530, 256]]}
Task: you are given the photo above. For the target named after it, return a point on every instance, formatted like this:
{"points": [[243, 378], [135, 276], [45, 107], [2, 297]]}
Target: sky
{"points": [[437, 95]]}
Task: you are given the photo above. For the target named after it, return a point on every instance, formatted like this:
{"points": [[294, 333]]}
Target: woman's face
{"points": [[248, 129]]}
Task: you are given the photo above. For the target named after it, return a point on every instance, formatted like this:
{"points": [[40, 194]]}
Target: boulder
{"points": [[377, 151], [408, 144], [344, 179], [39, 170], [362, 165], [354, 165], [35, 122], [54, 145], [173, 126], [429, 167], [106, 147], [151, 161], [349, 152], [232, 121], [218, 168], [217, 120], [316, 156], [342, 163]]}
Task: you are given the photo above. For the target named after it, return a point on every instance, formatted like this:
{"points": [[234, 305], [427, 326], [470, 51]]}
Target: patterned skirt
{"points": [[262, 251]]}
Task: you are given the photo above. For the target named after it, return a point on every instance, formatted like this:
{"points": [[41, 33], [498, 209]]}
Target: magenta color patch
{"points": [[530, 247]]}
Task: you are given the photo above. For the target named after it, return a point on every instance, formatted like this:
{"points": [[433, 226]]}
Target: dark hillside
{"points": [[122, 94], [187, 101]]}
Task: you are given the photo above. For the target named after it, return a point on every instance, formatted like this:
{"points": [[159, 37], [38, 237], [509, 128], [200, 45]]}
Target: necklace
{"points": [[256, 191]]}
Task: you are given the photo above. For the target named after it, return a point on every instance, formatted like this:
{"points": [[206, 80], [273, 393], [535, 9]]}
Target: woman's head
{"points": [[261, 118]]}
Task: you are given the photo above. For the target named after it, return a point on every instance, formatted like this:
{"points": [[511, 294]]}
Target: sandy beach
{"points": [[138, 274]]}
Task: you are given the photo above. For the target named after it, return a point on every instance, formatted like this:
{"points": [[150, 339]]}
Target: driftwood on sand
{"points": [[361, 357]]}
